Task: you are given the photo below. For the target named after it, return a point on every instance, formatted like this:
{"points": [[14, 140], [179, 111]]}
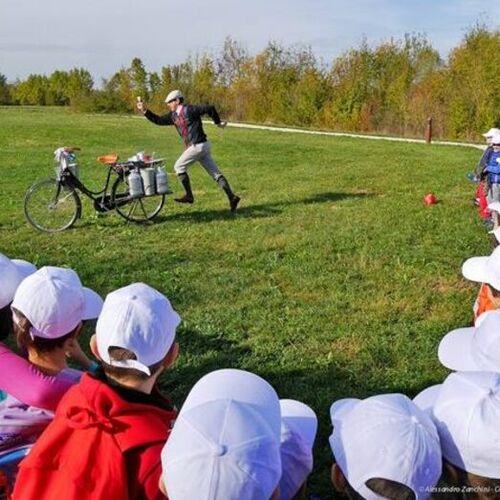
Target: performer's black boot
{"points": [[233, 199], [188, 197]]}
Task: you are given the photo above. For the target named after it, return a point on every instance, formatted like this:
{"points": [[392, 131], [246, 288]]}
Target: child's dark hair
{"points": [[392, 490], [6, 325], [120, 373], [24, 338], [483, 488]]}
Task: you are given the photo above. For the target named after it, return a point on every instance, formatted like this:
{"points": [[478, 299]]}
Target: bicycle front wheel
{"points": [[135, 209], [51, 207]]}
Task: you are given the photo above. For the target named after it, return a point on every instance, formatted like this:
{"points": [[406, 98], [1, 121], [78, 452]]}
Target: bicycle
{"points": [[53, 205]]}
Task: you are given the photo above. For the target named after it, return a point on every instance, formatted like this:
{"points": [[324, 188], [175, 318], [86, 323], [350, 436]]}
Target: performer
{"points": [[187, 121]]}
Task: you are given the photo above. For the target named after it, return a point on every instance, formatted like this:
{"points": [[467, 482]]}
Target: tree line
{"points": [[389, 88]]}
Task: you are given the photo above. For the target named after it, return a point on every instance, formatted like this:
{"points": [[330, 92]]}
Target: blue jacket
{"points": [[493, 167]]}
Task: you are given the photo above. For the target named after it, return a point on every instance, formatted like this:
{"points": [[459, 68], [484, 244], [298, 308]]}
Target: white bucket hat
{"points": [[475, 348], [55, 302], [385, 436], [484, 269], [466, 411], [174, 94], [225, 443], [12, 273], [298, 431], [140, 319]]}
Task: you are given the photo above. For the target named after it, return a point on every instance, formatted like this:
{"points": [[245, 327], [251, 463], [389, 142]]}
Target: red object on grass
{"points": [[430, 199], [484, 213]]}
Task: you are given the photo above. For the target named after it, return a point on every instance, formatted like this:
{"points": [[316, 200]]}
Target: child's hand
{"points": [[75, 352]]}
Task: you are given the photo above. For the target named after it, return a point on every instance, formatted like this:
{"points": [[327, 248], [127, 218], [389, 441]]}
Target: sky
{"points": [[104, 35]]}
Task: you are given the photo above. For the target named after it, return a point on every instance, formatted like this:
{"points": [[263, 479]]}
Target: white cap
{"points": [[298, 431], [484, 269], [473, 349], [466, 411], [55, 302], [140, 319], [495, 138], [491, 132], [174, 94], [12, 272], [225, 443], [387, 437]]}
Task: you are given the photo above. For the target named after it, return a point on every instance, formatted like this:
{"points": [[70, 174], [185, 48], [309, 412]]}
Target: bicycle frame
{"points": [[69, 180]]}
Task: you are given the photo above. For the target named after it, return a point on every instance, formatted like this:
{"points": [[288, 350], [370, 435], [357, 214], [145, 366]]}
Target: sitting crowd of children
{"points": [[107, 432]]}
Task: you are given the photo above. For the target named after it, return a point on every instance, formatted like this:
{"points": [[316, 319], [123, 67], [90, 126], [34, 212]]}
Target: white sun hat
{"points": [[484, 269], [385, 436], [138, 318], [54, 301], [225, 443], [475, 348], [12, 273], [466, 411], [299, 425]]}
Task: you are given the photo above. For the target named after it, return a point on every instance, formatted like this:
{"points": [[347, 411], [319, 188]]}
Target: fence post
{"points": [[428, 130]]}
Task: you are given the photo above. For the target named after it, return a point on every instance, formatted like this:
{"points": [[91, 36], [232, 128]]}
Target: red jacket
{"points": [[99, 446]]}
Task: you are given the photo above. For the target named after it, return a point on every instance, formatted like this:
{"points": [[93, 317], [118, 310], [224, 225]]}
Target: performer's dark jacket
{"points": [[187, 122]]}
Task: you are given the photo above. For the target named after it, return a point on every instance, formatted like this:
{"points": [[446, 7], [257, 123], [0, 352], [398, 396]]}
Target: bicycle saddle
{"points": [[108, 159]]}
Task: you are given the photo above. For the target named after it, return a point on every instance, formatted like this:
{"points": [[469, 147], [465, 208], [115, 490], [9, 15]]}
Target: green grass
{"points": [[332, 280]]}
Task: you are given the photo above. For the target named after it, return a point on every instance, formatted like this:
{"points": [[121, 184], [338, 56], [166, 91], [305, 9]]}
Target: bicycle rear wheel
{"points": [[51, 207], [135, 209]]}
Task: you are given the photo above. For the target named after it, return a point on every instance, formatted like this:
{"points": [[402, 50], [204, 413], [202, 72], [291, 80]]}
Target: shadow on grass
{"points": [[201, 354], [260, 210]]}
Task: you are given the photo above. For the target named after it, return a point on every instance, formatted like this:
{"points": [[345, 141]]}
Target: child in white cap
{"points": [[473, 349], [466, 411], [484, 270], [48, 309], [298, 431], [12, 272], [225, 444], [384, 447], [108, 431]]}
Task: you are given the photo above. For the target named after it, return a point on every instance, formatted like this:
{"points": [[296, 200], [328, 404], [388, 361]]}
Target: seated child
{"points": [[298, 431], [48, 309], [108, 431], [225, 443], [466, 411], [484, 270], [12, 272], [473, 349], [384, 447]]}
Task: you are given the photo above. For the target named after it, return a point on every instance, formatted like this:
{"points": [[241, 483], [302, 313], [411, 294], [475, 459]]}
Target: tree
{"points": [[4, 90]]}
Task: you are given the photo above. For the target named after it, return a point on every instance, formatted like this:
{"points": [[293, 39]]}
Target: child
{"points": [[298, 431], [48, 309], [480, 175], [493, 171], [473, 349], [12, 272], [484, 270], [108, 431], [384, 447], [225, 444], [466, 411]]}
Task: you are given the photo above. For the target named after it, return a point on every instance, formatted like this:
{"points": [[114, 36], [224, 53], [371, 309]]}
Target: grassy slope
{"points": [[332, 280]]}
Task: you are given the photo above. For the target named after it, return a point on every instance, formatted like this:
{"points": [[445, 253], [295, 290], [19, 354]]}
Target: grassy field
{"points": [[332, 280]]}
